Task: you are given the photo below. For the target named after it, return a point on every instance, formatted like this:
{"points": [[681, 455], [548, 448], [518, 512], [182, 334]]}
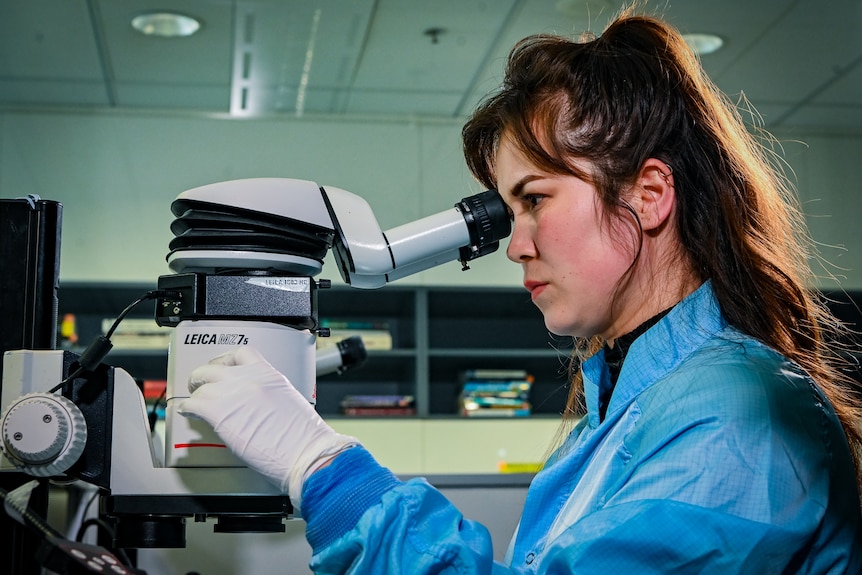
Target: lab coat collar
{"points": [[655, 353]]}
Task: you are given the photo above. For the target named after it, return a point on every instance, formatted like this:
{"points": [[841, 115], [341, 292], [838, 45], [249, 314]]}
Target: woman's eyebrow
{"points": [[518, 188]]}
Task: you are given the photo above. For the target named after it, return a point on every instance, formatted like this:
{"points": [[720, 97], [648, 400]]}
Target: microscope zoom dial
{"points": [[43, 434]]}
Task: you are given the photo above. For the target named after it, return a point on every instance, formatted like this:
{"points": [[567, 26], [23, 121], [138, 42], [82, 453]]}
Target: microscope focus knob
{"points": [[43, 434]]}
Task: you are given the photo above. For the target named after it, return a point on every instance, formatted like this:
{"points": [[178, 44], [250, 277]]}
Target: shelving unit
{"points": [[481, 328], [437, 333]]}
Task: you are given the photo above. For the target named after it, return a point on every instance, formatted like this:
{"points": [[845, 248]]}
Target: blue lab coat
{"points": [[717, 456]]}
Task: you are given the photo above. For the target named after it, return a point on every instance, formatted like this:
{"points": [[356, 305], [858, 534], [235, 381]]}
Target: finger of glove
{"points": [[242, 355], [194, 408], [243, 373], [213, 394], [246, 391], [209, 373], [237, 401]]}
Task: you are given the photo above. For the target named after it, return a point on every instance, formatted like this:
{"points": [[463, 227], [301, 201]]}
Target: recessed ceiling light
{"points": [[703, 43], [166, 24]]}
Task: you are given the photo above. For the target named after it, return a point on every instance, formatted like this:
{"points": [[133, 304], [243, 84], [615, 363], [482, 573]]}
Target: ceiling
{"points": [[797, 61]]}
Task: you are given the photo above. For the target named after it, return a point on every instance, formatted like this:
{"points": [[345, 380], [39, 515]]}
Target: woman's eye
{"points": [[532, 199]]}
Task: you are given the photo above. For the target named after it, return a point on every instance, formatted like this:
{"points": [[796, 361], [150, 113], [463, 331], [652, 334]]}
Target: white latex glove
{"points": [[262, 418]]}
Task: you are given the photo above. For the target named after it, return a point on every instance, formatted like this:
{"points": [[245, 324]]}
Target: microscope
{"points": [[245, 255]]}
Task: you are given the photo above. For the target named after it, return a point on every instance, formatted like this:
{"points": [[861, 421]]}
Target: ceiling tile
{"points": [[283, 49], [796, 60], [401, 58]]}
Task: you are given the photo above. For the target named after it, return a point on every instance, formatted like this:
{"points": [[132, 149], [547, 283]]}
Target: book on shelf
{"points": [[520, 467], [352, 324], [378, 405], [154, 396], [138, 333], [154, 389], [515, 388], [487, 374], [378, 411], [392, 400], [477, 402], [497, 412], [375, 335], [495, 393]]}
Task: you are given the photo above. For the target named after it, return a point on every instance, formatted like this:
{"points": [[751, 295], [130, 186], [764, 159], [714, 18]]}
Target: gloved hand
{"points": [[262, 418]]}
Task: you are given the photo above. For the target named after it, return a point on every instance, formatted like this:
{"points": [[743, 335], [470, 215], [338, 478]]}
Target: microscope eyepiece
{"points": [[487, 221]]}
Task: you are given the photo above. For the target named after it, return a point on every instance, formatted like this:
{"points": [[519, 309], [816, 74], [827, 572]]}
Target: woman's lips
{"points": [[535, 288]]}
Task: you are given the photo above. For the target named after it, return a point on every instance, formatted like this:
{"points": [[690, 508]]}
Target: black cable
{"points": [[42, 527], [89, 502], [99, 348], [107, 527], [109, 530], [33, 521], [126, 311], [87, 523], [153, 416], [89, 360], [71, 376]]}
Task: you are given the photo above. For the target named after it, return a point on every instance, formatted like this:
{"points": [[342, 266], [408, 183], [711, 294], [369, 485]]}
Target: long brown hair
{"points": [[638, 92]]}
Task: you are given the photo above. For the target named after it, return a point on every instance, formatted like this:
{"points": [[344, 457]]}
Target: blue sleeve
{"points": [[362, 519]]}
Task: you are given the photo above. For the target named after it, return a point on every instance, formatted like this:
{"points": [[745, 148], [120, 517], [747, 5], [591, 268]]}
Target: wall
{"points": [[830, 191], [117, 173]]}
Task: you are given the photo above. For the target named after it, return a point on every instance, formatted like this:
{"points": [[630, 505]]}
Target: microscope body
{"points": [[245, 254], [213, 316]]}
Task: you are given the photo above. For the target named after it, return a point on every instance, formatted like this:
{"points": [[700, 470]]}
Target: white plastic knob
{"points": [[43, 434]]}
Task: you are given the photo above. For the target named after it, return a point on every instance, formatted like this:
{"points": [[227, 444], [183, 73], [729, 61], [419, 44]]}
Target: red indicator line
{"points": [[182, 445]]}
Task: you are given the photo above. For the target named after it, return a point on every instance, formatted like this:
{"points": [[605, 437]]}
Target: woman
{"points": [[651, 228]]}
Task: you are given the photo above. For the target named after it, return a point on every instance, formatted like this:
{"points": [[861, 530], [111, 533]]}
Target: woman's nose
{"points": [[521, 246]]}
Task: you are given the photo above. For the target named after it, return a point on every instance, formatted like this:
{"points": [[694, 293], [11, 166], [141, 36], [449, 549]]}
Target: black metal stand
{"points": [[30, 260]]}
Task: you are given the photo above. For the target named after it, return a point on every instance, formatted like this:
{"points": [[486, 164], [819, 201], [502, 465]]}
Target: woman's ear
{"points": [[653, 195]]}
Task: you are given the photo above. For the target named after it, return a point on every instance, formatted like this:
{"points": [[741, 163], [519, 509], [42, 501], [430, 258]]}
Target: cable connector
{"points": [[165, 294], [101, 346], [95, 353]]}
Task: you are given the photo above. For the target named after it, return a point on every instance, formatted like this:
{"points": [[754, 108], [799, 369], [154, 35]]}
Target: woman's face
{"points": [[572, 264]]}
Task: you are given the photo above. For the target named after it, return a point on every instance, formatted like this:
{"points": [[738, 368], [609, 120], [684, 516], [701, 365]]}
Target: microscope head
{"points": [[285, 226], [272, 224]]}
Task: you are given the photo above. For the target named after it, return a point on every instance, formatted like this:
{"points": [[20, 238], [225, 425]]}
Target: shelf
{"points": [[443, 417], [156, 353], [496, 353], [437, 333], [383, 353]]}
